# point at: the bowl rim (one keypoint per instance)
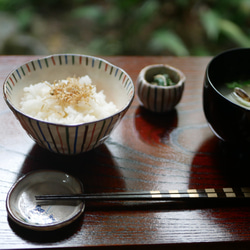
(212, 85)
(44, 227)
(13, 107)
(162, 65)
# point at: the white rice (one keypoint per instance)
(38, 102)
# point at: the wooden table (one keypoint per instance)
(146, 152)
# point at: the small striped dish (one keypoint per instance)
(70, 139)
(159, 99)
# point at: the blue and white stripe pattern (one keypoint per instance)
(68, 139)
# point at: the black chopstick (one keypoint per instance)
(209, 193)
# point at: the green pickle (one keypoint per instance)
(162, 80)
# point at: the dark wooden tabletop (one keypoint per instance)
(147, 151)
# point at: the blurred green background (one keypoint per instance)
(123, 27)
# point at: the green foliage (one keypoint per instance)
(133, 27)
(88, 12)
(210, 21)
(234, 33)
(214, 24)
(168, 40)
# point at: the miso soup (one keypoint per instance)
(237, 92)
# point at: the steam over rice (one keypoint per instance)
(69, 101)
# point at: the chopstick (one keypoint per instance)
(208, 193)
